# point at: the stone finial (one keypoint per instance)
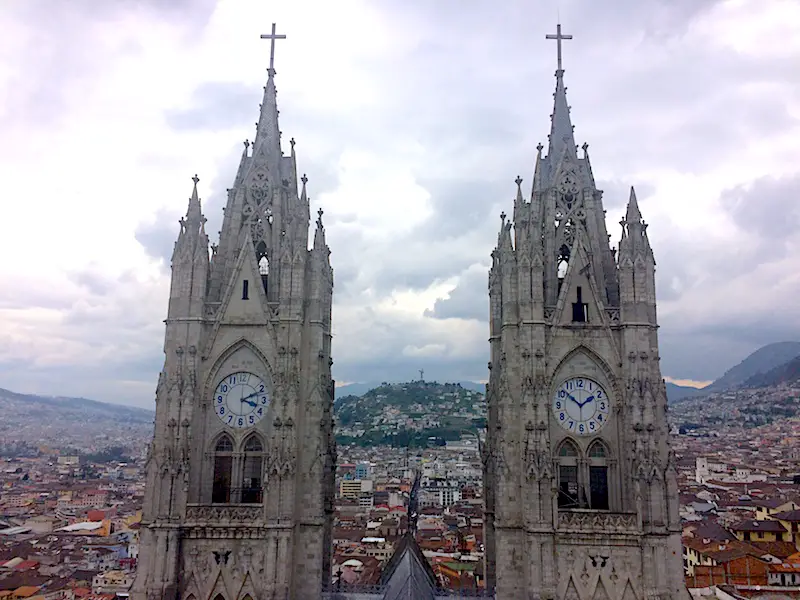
(518, 181)
(292, 142)
(304, 179)
(247, 143)
(195, 179)
(539, 147)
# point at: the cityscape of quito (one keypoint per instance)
(572, 472)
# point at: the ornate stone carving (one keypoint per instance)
(600, 522)
(222, 515)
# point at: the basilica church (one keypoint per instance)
(580, 494)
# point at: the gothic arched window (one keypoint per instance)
(598, 476)
(223, 470)
(568, 491)
(252, 471)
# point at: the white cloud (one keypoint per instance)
(412, 120)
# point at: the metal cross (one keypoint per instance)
(272, 37)
(550, 36)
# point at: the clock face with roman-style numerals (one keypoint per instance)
(581, 406)
(241, 400)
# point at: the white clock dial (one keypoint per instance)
(581, 406)
(241, 400)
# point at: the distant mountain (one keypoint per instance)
(788, 372)
(677, 392)
(72, 424)
(762, 360)
(359, 389)
(65, 407)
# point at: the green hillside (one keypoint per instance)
(415, 414)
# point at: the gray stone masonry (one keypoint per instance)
(581, 494)
(237, 510)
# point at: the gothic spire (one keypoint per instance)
(268, 136)
(319, 233)
(194, 214)
(633, 214)
(561, 132)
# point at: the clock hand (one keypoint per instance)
(250, 396)
(589, 399)
(250, 402)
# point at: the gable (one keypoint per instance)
(245, 301)
(578, 301)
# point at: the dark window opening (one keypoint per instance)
(567, 487)
(223, 467)
(245, 289)
(580, 309)
(598, 487)
(221, 493)
(252, 469)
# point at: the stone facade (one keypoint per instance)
(240, 470)
(580, 482)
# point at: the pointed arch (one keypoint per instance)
(230, 350)
(598, 449)
(567, 455)
(219, 597)
(608, 373)
(253, 443)
(223, 443)
(252, 491)
(568, 449)
(223, 469)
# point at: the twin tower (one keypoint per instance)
(580, 493)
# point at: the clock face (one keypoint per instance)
(241, 400)
(581, 406)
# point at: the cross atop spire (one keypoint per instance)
(276, 36)
(558, 36)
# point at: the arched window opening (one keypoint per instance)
(568, 492)
(598, 476)
(263, 263)
(252, 471)
(223, 467)
(219, 597)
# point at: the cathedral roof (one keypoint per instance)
(408, 575)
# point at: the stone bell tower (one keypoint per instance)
(240, 471)
(581, 493)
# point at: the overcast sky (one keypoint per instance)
(412, 120)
